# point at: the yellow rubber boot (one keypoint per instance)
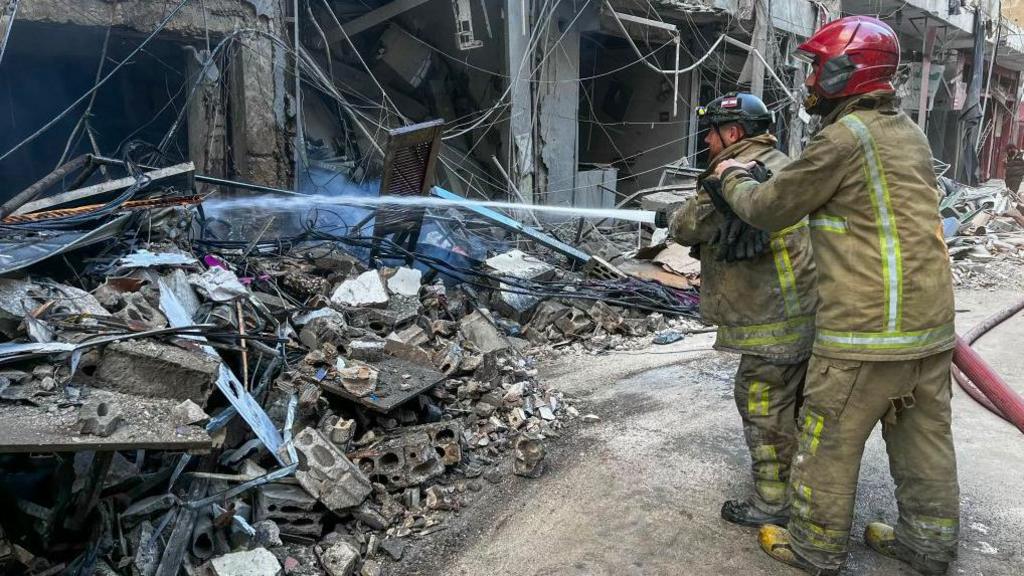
(882, 539)
(775, 541)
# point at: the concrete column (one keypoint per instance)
(926, 70)
(259, 129)
(206, 118)
(558, 102)
(520, 63)
(796, 123)
(762, 27)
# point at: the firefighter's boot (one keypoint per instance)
(746, 513)
(775, 541)
(882, 539)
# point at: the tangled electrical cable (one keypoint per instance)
(628, 293)
(128, 155)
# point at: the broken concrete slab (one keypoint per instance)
(137, 311)
(393, 547)
(379, 321)
(479, 330)
(327, 474)
(412, 457)
(328, 328)
(99, 418)
(414, 335)
(547, 313)
(371, 516)
(666, 199)
(363, 290)
(508, 299)
(408, 352)
(605, 317)
(449, 358)
(404, 309)
(291, 508)
(339, 559)
(342, 432)
(575, 323)
(130, 365)
(371, 568)
(367, 349)
(439, 498)
(405, 282)
(304, 318)
(258, 562)
(188, 413)
(518, 264)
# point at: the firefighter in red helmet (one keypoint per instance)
(884, 325)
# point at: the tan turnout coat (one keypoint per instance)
(867, 185)
(764, 306)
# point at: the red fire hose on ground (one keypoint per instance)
(979, 380)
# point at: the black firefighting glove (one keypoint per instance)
(661, 218)
(742, 241)
(736, 239)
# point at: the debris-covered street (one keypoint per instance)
(474, 287)
(638, 491)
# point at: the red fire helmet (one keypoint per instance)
(852, 55)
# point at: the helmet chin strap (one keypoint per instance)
(811, 100)
(719, 134)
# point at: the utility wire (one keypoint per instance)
(99, 84)
(12, 10)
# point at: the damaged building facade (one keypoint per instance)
(577, 103)
(223, 352)
(209, 87)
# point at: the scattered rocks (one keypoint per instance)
(393, 547)
(326, 474)
(339, 559)
(258, 562)
(99, 418)
(363, 290)
(188, 413)
(529, 457)
(405, 282)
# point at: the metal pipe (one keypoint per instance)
(300, 136)
(643, 58)
(29, 194)
(675, 82)
(209, 179)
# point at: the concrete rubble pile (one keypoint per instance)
(984, 230)
(237, 411)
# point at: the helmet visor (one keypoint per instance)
(804, 56)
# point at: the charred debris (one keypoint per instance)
(216, 383)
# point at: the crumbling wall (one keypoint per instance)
(215, 16)
(243, 134)
(627, 120)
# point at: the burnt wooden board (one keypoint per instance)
(389, 393)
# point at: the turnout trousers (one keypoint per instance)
(767, 397)
(843, 401)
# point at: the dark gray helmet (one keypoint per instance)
(741, 107)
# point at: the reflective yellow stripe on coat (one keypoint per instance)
(885, 221)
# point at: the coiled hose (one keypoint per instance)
(979, 380)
